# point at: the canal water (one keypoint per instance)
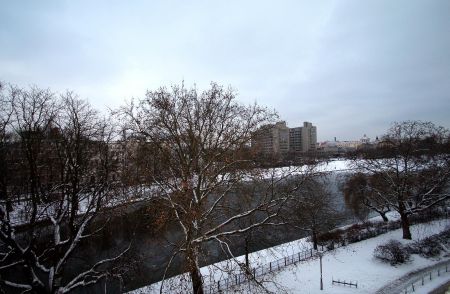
(152, 248)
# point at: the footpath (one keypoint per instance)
(404, 284)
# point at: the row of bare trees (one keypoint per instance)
(56, 176)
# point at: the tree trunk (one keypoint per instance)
(314, 239)
(194, 271)
(197, 283)
(405, 225)
(247, 263)
(384, 217)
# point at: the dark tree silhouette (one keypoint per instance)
(60, 180)
(409, 172)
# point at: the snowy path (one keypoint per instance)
(398, 285)
(441, 288)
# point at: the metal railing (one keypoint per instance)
(345, 283)
(426, 278)
(245, 275)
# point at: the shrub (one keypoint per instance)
(335, 236)
(353, 234)
(359, 227)
(392, 252)
(445, 235)
(428, 247)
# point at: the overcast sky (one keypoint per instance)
(350, 67)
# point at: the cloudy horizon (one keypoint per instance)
(349, 67)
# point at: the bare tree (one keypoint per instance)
(362, 194)
(34, 111)
(313, 209)
(201, 138)
(57, 193)
(5, 139)
(410, 171)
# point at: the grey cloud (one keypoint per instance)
(349, 67)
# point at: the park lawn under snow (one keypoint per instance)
(353, 262)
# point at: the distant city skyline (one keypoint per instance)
(349, 67)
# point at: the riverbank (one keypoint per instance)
(353, 262)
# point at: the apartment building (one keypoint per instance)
(309, 137)
(272, 139)
(278, 139)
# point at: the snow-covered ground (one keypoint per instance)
(423, 280)
(431, 285)
(337, 165)
(20, 213)
(354, 263)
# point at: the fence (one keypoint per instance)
(426, 278)
(339, 282)
(245, 276)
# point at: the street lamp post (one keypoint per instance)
(321, 281)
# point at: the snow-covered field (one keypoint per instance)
(338, 165)
(354, 263)
(335, 165)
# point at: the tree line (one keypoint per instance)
(56, 176)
